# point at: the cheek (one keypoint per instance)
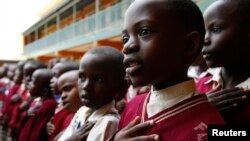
(73, 95)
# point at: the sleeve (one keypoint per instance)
(41, 118)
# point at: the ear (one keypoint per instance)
(193, 45)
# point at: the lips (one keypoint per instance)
(84, 96)
(65, 103)
(132, 65)
(206, 54)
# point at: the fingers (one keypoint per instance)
(219, 93)
(83, 137)
(227, 94)
(228, 108)
(134, 122)
(147, 138)
(225, 104)
(87, 127)
(133, 131)
(140, 128)
(50, 129)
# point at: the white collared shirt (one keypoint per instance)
(165, 98)
(106, 117)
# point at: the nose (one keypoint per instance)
(63, 96)
(207, 40)
(131, 46)
(85, 85)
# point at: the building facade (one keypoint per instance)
(74, 26)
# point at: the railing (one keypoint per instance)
(89, 27)
(102, 21)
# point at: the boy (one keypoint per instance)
(58, 69)
(158, 52)
(101, 77)
(35, 127)
(55, 125)
(227, 46)
(67, 85)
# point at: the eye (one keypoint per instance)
(99, 80)
(216, 29)
(66, 88)
(125, 39)
(81, 76)
(144, 31)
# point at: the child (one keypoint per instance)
(29, 67)
(16, 99)
(101, 77)
(12, 89)
(67, 85)
(55, 125)
(227, 46)
(58, 70)
(158, 52)
(35, 127)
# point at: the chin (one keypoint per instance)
(137, 82)
(212, 65)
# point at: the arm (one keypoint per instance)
(41, 117)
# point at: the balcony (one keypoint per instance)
(106, 23)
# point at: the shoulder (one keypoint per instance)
(50, 102)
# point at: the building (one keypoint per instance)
(74, 26)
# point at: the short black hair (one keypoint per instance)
(68, 65)
(241, 13)
(47, 76)
(36, 63)
(189, 16)
(114, 55)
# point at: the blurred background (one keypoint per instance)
(45, 29)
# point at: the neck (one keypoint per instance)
(170, 82)
(232, 77)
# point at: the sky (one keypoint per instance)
(15, 17)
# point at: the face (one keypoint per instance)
(97, 81)
(153, 45)
(18, 76)
(57, 70)
(36, 86)
(67, 85)
(11, 72)
(225, 41)
(27, 72)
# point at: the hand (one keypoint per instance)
(120, 105)
(32, 111)
(25, 104)
(82, 133)
(15, 98)
(133, 131)
(228, 100)
(50, 128)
